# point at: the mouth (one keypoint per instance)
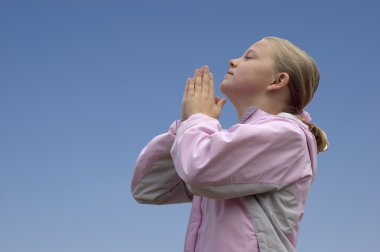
(229, 72)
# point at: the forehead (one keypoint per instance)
(261, 47)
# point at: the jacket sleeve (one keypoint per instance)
(246, 159)
(155, 180)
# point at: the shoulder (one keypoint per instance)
(268, 127)
(277, 127)
(279, 122)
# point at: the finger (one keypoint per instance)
(205, 81)
(185, 92)
(198, 82)
(190, 90)
(211, 86)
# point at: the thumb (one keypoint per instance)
(221, 103)
(217, 98)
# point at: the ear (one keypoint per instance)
(280, 81)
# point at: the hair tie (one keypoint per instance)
(305, 115)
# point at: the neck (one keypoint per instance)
(268, 106)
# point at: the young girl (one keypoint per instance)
(248, 184)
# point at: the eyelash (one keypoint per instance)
(248, 57)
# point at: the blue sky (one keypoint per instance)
(84, 85)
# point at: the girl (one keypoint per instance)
(248, 184)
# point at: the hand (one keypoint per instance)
(199, 96)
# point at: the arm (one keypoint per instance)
(155, 180)
(246, 159)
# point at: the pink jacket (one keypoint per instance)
(248, 184)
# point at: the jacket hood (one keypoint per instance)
(310, 138)
(254, 112)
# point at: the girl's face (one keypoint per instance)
(251, 73)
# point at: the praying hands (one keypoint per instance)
(199, 95)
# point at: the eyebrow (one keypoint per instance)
(251, 50)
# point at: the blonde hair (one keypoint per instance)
(303, 81)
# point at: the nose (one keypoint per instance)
(232, 63)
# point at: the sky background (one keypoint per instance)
(84, 85)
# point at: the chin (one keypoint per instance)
(226, 82)
(223, 87)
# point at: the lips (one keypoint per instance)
(229, 72)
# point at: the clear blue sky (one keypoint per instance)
(84, 85)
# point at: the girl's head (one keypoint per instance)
(277, 76)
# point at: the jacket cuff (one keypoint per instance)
(173, 128)
(197, 118)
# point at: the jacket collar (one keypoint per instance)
(252, 112)
(291, 116)
(247, 113)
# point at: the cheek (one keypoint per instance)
(244, 73)
(247, 78)
(253, 74)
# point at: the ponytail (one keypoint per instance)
(303, 81)
(319, 134)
